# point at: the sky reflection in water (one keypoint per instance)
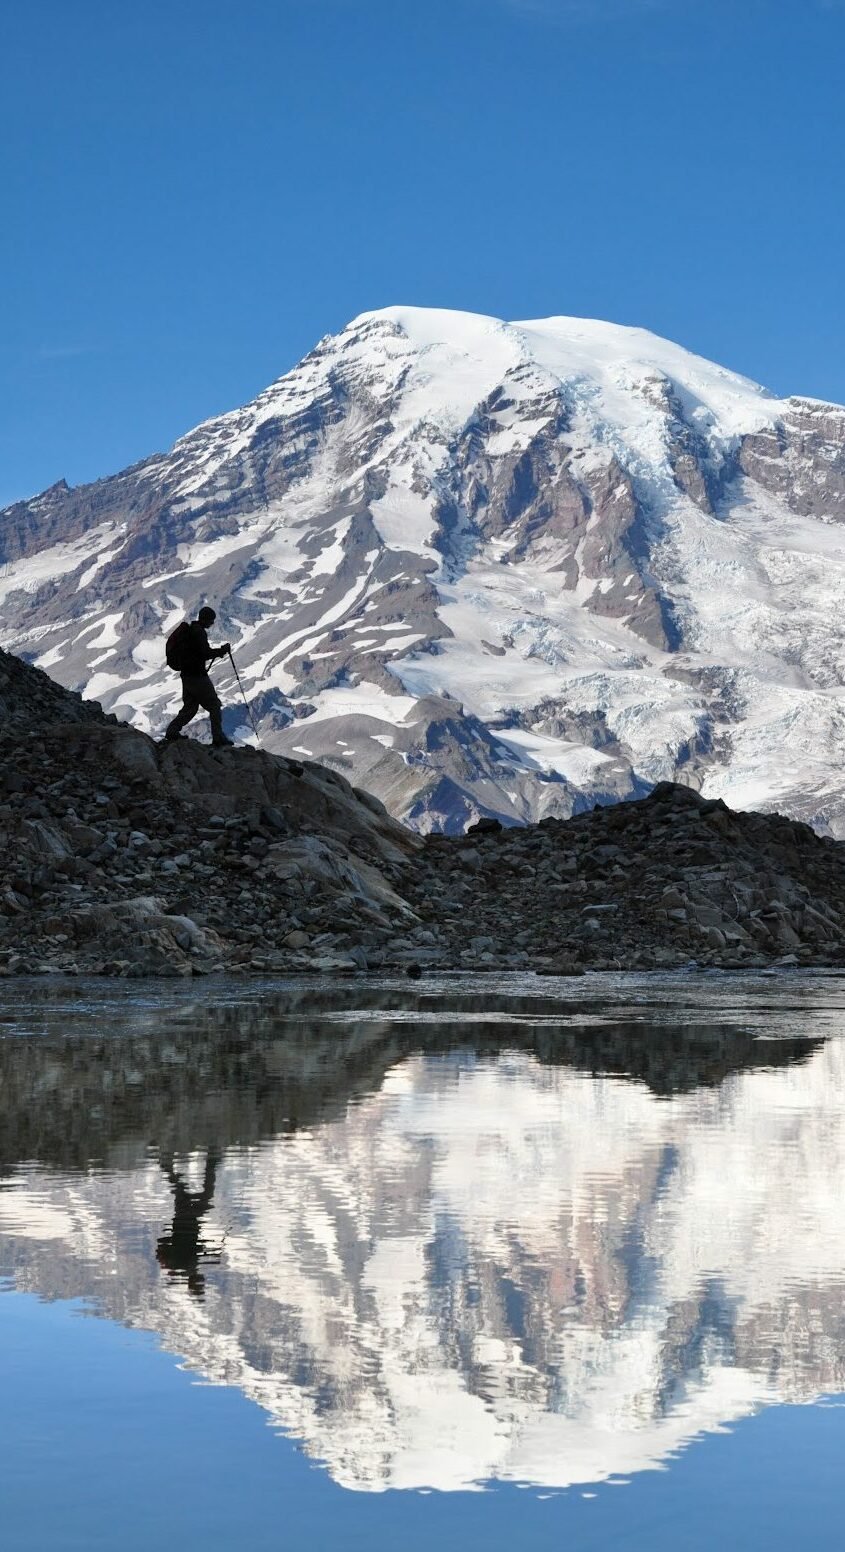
(531, 1235)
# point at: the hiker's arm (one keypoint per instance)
(221, 651)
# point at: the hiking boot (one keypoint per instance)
(223, 743)
(171, 738)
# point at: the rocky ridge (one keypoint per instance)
(666, 881)
(120, 856)
(30, 699)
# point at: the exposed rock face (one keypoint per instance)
(595, 559)
(801, 459)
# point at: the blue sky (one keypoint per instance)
(194, 191)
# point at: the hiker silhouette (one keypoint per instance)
(181, 1251)
(188, 651)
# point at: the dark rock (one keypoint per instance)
(118, 856)
(485, 826)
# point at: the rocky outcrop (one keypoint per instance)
(801, 459)
(30, 699)
(669, 880)
(126, 857)
(121, 856)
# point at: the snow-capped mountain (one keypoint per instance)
(482, 567)
(486, 1268)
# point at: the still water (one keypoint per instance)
(540, 1264)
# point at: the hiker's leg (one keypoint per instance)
(190, 707)
(210, 700)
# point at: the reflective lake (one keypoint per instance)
(535, 1263)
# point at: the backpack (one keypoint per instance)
(175, 646)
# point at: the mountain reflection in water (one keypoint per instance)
(459, 1238)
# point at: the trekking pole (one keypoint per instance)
(245, 701)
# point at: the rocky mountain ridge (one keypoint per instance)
(122, 856)
(480, 568)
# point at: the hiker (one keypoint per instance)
(188, 651)
(181, 1251)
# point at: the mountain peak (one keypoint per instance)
(480, 566)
